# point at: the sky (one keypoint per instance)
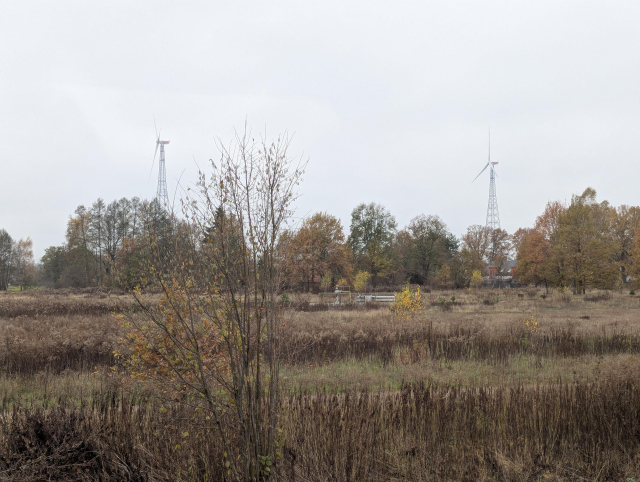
(390, 102)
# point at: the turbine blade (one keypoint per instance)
(154, 160)
(154, 125)
(485, 168)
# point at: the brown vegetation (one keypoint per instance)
(470, 393)
(62, 302)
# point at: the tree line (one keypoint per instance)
(425, 252)
(586, 244)
(106, 244)
(580, 245)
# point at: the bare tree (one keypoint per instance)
(24, 266)
(80, 260)
(97, 234)
(136, 205)
(7, 258)
(211, 342)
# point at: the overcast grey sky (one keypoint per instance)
(390, 101)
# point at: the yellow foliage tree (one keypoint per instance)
(326, 282)
(361, 281)
(443, 278)
(476, 279)
(408, 304)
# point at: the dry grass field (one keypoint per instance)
(504, 385)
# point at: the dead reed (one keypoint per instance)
(63, 418)
(63, 302)
(455, 342)
(56, 343)
(113, 438)
(423, 432)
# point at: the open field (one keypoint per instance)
(465, 391)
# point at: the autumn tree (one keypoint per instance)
(584, 244)
(533, 257)
(211, 340)
(538, 262)
(476, 279)
(371, 238)
(624, 221)
(402, 252)
(499, 248)
(408, 304)
(443, 279)
(426, 245)
(516, 239)
(474, 251)
(477, 240)
(361, 281)
(318, 249)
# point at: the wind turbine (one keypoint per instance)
(161, 194)
(493, 218)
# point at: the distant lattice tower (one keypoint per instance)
(493, 217)
(161, 195)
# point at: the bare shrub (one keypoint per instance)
(596, 297)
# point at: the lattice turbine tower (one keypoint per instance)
(493, 216)
(162, 195)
